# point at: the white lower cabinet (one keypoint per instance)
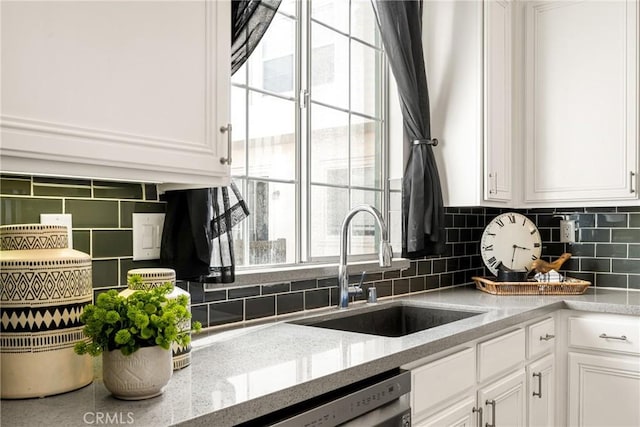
(461, 414)
(503, 401)
(485, 383)
(541, 380)
(603, 363)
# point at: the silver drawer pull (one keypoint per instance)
(610, 337)
(547, 337)
(493, 413)
(539, 393)
(479, 412)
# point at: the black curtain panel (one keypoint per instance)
(400, 24)
(249, 21)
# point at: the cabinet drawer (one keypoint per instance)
(442, 379)
(500, 354)
(618, 334)
(541, 337)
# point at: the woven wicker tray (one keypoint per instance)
(570, 286)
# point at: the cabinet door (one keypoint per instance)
(541, 395)
(503, 401)
(461, 414)
(603, 390)
(581, 101)
(497, 100)
(116, 90)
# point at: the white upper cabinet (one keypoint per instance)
(116, 90)
(581, 101)
(467, 48)
(497, 100)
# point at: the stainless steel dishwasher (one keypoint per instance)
(379, 401)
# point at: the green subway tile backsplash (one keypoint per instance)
(93, 213)
(608, 254)
(117, 190)
(111, 243)
(46, 186)
(82, 241)
(15, 210)
(15, 186)
(104, 273)
(63, 191)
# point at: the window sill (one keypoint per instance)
(304, 272)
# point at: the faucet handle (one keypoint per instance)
(372, 298)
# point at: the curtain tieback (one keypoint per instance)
(432, 141)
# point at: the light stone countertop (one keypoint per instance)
(239, 374)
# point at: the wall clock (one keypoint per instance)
(511, 239)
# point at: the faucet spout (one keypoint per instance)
(384, 251)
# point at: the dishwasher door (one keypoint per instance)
(380, 401)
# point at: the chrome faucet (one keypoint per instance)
(384, 251)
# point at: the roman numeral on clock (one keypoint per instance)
(488, 248)
(492, 261)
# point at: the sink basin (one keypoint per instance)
(390, 320)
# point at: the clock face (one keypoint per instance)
(511, 239)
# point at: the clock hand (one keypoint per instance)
(520, 247)
(513, 255)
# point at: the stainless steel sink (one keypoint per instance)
(389, 320)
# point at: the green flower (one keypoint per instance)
(122, 337)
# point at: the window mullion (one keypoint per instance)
(303, 136)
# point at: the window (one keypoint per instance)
(308, 113)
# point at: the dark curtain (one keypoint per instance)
(249, 21)
(196, 239)
(400, 24)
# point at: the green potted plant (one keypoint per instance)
(134, 334)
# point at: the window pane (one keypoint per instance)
(271, 137)
(365, 79)
(334, 13)
(271, 65)
(366, 159)
(270, 225)
(364, 233)
(329, 207)
(363, 22)
(288, 7)
(329, 67)
(240, 76)
(239, 133)
(329, 146)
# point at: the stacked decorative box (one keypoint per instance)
(44, 286)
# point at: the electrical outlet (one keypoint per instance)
(147, 235)
(567, 231)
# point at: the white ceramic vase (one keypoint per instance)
(140, 375)
(44, 287)
(153, 278)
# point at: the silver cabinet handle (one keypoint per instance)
(493, 189)
(479, 411)
(493, 413)
(611, 337)
(539, 393)
(631, 176)
(547, 337)
(227, 129)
